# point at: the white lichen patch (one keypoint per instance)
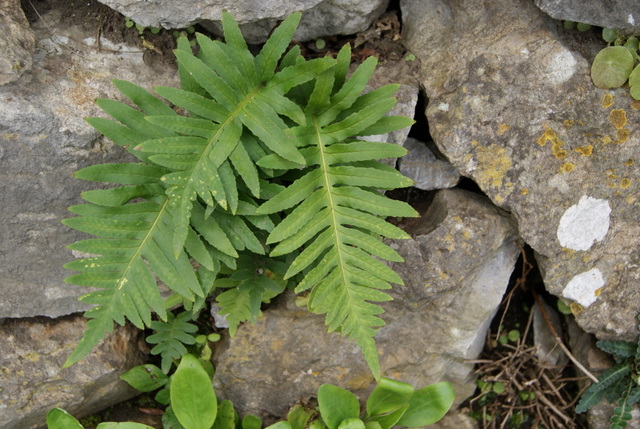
(584, 223)
(561, 68)
(583, 287)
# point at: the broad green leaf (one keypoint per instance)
(336, 405)
(122, 425)
(58, 418)
(428, 405)
(251, 422)
(611, 67)
(226, 417)
(354, 423)
(280, 425)
(192, 397)
(298, 417)
(634, 82)
(145, 378)
(389, 395)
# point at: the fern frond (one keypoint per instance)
(341, 240)
(597, 391)
(132, 244)
(246, 290)
(619, 349)
(171, 337)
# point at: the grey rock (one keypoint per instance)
(429, 173)
(32, 352)
(620, 14)
(17, 42)
(457, 267)
(43, 140)
(549, 354)
(512, 106)
(256, 18)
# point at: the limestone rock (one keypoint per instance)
(620, 14)
(256, 17)
(512, 106)
(17, 42)
(32, 352)
(44, 139)
(429, 173)
(458, 266)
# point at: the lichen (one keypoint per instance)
(556, 144)
(629, 162)
(625, 183)
(622, 136)
(607, 101)
(503, 128)
(618, 118)
(568, 123)
(584, 150)
(493, 164)
(567, 167)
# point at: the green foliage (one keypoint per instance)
(265, 170)
(194, 404)
(612, 67)
(619, 384)
(392, 403)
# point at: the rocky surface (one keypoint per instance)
(32, 352)
(620, 14)
(425, 169)
(17, 42)
(43, 140)
(256, 17)
(512, 106)
(466, 251)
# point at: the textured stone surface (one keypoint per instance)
(621, 14)
(17, 42)
(256, 17)
(421, 165)
(32, 352)
(43, 140)
(512, 106)
(457, 268)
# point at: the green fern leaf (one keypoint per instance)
(341, 242)
(171, 337)
(597, 391)
(619, 349)
(132, 244)
(248, 288)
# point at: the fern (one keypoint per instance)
(171, 337)
(266, 136)
(337, 231)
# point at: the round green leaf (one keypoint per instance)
(337, 404)
(60, 419)
(609, 34)
(428, 405)
(354, 423)
(634, 82)
(581, 26)
(192, 397)
(498, 387)
(123, 425)
(611, 67)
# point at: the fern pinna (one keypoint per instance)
(265, 162)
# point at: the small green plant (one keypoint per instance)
(263, 186)
(616, 64)
(620, 384)
(193, 404)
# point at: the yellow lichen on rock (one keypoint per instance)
(625, 183)
(503, 128)
(607, 101)
(584, 150)
(622, 136)
(556, 144)
(493, 164)
(618, 118)
(567, 167)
